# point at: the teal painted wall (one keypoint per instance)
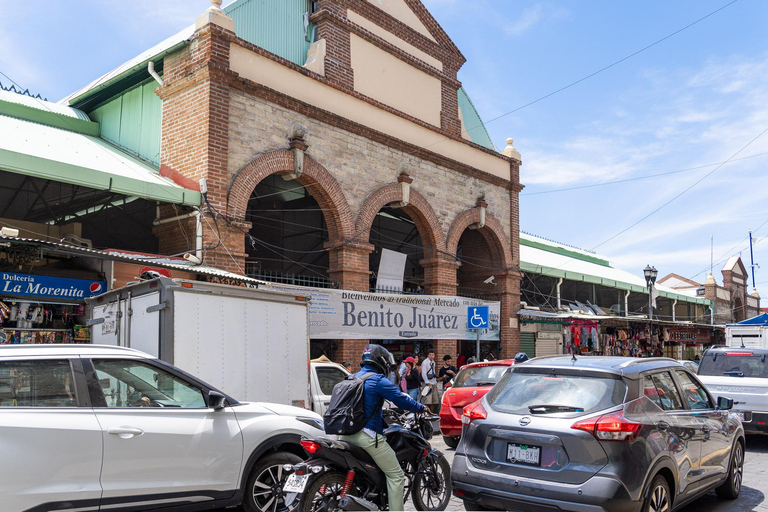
(275, 25)
(472, 121)
(132, 121)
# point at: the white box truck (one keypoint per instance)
(250, 343)
(747, 336)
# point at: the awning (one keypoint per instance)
(67, 156)
(760, 320)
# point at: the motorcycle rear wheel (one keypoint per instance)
(432, 485)
(332, 483)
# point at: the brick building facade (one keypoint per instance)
(733, 301)
(370, 121)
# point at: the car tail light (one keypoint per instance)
(309, 446)
(473, 412)
(738, 353)
(609, 427)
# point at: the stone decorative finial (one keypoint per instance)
(216, 4)
(215, 15)
(710, 279)
(297, 131)
(510, 150)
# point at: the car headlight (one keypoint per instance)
(312, 422)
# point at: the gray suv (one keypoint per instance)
(602, 434)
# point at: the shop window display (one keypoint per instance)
(23, 322)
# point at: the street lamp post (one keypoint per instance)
(650, 279)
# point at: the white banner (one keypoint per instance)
(343, 314)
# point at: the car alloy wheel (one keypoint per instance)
(264, 491)
(659, 501)
(738, 467)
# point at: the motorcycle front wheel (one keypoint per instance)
(432, 484)
(323, 493)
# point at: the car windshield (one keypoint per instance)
(548, 393)
(734, 364)
(479, 376)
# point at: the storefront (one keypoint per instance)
(44, 309)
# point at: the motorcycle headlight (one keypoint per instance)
(312, 422)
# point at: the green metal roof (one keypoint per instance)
(50, 152)
(472, 122)
(276, 26)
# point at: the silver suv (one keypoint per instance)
(88, 427)
(603, 434)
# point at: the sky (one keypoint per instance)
(660, 120)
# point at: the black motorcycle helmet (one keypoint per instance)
(379, 358)
(521, 357)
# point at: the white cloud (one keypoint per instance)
(532, 16)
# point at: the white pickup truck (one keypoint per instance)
(740, 374)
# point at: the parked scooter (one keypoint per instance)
(342, 476)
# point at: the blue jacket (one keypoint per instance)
(378, 387)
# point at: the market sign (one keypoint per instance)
(688, 335)
(344, 314)
(28, 285)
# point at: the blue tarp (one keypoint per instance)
(758, 320)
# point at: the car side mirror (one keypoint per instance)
(724, 403)
(216, 400)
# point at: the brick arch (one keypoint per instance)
(492, 232)
(418, 209)
(315, 178)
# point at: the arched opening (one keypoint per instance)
(286, 242)
(394, 230)
(738, 310)
(476, 277)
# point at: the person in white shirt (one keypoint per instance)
(429, 375)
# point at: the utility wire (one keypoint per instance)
(649, 176)
(683, 192)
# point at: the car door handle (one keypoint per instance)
(662, 425)
(125, 432)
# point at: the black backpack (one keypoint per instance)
(346, 412)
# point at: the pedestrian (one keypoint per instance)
(461, 360)
(447, 371)
(412, 378)
(401, 371)
(347, 365)
(429, 373)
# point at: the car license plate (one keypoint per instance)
(523, 454)
(295, 483)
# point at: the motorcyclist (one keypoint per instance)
(377, 359)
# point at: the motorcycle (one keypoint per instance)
(342, 476)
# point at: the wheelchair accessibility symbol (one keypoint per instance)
(477, 317)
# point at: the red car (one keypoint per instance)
(470, 385)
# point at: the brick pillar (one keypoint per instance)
(195, 138)
(510, 290)
(440, 275)
(509, 282)
(348, 265)
(329, 17)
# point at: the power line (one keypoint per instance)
(683, 192)
(605, 68)
(615, 182)
(727, 254)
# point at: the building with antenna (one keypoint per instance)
(732, 299)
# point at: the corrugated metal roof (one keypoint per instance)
(472, 121)
(539, 261)
(129, 257)
(47, 152)
(45, 106)
(275, 25)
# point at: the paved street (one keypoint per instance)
(752, 496)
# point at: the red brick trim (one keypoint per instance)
(252, 87)
(335, 120)
(316, 179)
(418, 209)
(178, 178)
(493, 232)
